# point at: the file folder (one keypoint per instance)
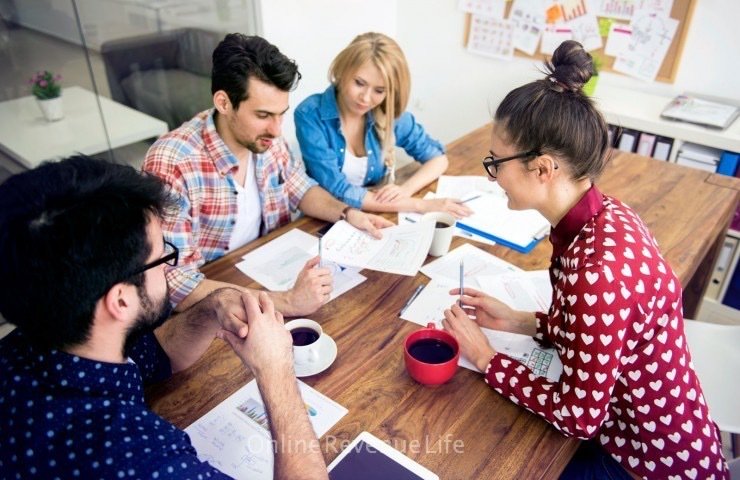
(728, 163)
(646, 144)
(662, 148)
(628, 140)
(502, 241)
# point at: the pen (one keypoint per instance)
(462, 275)
(411, 299)
(471, 198)
(320, 265)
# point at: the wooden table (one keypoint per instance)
(687, 210)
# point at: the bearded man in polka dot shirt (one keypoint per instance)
(82, 277)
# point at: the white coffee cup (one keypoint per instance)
(442, 235)
(306, 341)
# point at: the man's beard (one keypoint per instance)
(151, 317)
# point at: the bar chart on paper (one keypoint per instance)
(573, 9)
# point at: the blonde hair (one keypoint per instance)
(385, 54)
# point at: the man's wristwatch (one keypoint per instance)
(345, 211)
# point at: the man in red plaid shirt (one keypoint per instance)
(235, 178)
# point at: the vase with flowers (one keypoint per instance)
(46, 88)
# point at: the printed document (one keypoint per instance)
(402, 249)
(528, 291)
(276, 264)
(235, 436)
(434, 299)
(544, 362)
(476, 263)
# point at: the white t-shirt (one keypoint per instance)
(354, 168)
(248, 210)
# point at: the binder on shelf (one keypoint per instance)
(699, 156)
(628, 140)
(728, 163)
(646, 144)
(662, 150)
(613, 132)
(721, 268)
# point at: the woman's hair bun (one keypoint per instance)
(570, 67)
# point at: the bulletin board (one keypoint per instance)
(681, 10)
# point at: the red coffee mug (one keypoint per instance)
(431, 355)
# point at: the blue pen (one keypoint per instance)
(411, 299)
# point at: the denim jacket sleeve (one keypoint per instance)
(410, 136)
(320, 149)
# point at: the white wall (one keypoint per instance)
(454, 92)
(314, 32)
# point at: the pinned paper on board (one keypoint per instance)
(529, 22)
(618, 41)
(586, 31)
(625, 9)
(486, 8)
(652, 34)
(553, 36)
(491, 37)
(573, 9)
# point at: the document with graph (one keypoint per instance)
(402, 249)
(235, 436)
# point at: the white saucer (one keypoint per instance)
(327, 355)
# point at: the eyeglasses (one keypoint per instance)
(491, 163)
(170, 257)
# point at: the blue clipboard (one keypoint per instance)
(501, 241)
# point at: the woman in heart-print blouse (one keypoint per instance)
(628, 384)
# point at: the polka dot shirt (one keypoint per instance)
(616, 321)
(63, 416)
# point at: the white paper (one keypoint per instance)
(586, 31)
(487, 8)
(430, 304)
(529, 21)
(276, 264)
(464, 187)
(493, 216)
(491, 37)
(553, 36)
(543, 362)
(402, 249)
(476, 261)
(651, 36)
(623, 9)
(618, 41)
(235, 437)
(528, 291)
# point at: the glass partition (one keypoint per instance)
(129, 71)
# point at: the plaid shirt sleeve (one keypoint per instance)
(297, 181)
(179, 226)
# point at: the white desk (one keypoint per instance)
(641, 111)
(29, 139)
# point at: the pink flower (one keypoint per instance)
(43, 83)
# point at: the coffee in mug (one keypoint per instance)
(304, 336)
(444, 226)
(431, 355)
(441, 225)
(431, 350)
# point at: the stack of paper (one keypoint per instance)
(402, 249)
(276, 264)
(493, 219)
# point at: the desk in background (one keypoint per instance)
(499, 439)
(29, 139)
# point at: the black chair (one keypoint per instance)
(166, 75)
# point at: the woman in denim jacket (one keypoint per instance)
(347, 133)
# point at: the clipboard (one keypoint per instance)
(502, 241)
